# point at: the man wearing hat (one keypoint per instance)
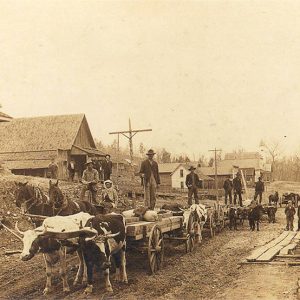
(192, 182)
(259, 189)
(228, 188)
(106, 167)
(90, 178)
(150, 179)
(237, 189)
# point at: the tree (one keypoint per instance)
(99, 144)
(211, 162)
(142, 149)
(165, 156)
(274, 148)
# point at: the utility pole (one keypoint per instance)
(131, 133)
(216, 173)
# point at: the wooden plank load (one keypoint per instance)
(141, 229)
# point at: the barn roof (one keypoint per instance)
(40, 133)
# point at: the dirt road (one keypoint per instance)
(212, 271)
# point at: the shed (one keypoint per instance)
(29, 144)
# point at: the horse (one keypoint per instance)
(32, 200)
(254, 216)
(63, 206)
(273, 199)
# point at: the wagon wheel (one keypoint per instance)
(212, 225)
(155, 249)
(191, 233)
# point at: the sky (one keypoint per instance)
(201, 74)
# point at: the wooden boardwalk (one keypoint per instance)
(280, 246)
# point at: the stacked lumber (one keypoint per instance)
(271, 249)
(139, 230)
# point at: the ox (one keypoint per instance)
(271, 211)
(233, 215)
(110, 242)
(196, 213)
(273, 199)
(254, 215)
(54, 251)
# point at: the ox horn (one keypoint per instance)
(111, 235)
(90, 238)
(18, 230)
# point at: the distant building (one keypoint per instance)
(251, 163)
(172, 177)
(29, 144)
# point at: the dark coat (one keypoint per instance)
(189, 180)
(147, 169)
(237, 184)
(227, 185)
(259, 186)
(107, 168)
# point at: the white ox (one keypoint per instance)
(197, 214)
(42, 239)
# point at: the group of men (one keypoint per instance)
(236, 186)
(103, 167)
(150, 180)
(90, 179)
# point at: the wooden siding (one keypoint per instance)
(177, 180)
(84, 138)
(165, 182)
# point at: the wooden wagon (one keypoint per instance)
(150, 237)
(216, 218)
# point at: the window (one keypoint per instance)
(182, 184)
(181, 173)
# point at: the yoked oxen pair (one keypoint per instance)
(193, 220)
(237, 213)
(94, 246)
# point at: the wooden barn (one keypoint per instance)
(29, 144)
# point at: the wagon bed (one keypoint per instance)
(149, 237)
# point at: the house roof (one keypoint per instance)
(40, 133)
(4, 117)
(210, 171)
(242, 155)
(202, 176)
(254, 163)
(168, 167)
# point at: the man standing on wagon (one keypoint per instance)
(150, 179)
(237, 188)
(259, 189)
(192, 182)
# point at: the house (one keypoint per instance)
(29, 144)
(172, 177)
